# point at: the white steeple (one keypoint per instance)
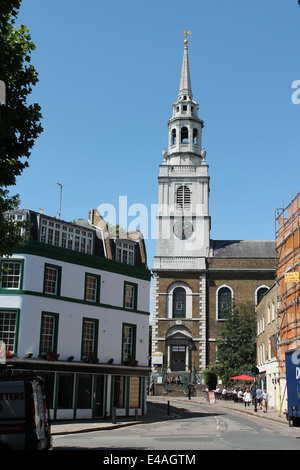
(185, 127)
(183, 220)
(185, 87)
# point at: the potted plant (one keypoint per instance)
(131, 361)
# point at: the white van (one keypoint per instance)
(24, 422)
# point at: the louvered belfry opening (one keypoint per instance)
(183, 197)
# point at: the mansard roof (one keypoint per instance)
(243, 249)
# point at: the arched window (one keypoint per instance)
(173, 136)
(195, 136)
(184, 135)
(260, 293)
(179, 303)
(183, 197)
(224, 302)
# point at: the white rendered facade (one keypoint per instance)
(93, 311)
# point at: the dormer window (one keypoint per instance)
(125, 252)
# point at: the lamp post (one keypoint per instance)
(255, 372)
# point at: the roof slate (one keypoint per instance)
(243, 249)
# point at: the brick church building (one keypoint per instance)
(195, 277)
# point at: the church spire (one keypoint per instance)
(185, 87)
(185, 127)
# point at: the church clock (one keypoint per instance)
(183, 229)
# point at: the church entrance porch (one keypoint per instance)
(178, 344)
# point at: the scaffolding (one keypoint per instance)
(287, 227)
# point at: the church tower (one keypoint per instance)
(183, 238)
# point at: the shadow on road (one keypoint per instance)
(172, 410)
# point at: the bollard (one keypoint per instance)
(136, 414)
(168, 412)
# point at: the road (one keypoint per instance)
(198, 427)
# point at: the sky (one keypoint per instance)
(109, 73)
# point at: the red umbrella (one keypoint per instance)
(242, 377)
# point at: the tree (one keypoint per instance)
(236, 344)
(19, 121)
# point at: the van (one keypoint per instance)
(24, 422)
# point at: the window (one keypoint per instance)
(49, 331)
(92, 288)
(183, 197)
(184, 135)
(11, 274)
(125, 252)
(224, 302)
(129, 335)
(52, 279)
(260, 293)
(119, 391)
(65, 391)
(195, 136)
(173, 136)
(9, 320)
(130, 296)
(84, 391)
(89, 344)
(66, 236)
(179, 303)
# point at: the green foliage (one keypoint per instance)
(210, 378)
(236, 344)
(19, 121)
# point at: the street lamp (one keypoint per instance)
(255, 372)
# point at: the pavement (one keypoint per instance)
(165, 411)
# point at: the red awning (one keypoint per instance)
(242, 377)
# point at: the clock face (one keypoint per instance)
(183, 229)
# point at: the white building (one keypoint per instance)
(268, 359)
(73, 313)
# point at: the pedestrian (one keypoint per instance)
(247, 398)
(258, 397)
(190, 391)
(224, 393)
(265, 398)
(253, 393)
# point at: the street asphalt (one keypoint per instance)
(165, 411)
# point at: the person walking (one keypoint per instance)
(258, 397)
(253, 393)
(265, 398)
(247, 398)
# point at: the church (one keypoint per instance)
(194, 277)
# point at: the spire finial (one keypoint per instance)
(186, 33)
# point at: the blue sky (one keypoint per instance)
(108, 75)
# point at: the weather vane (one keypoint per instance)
(186, 33)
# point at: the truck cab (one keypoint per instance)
(24, 422)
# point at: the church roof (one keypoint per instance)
(243, 249)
